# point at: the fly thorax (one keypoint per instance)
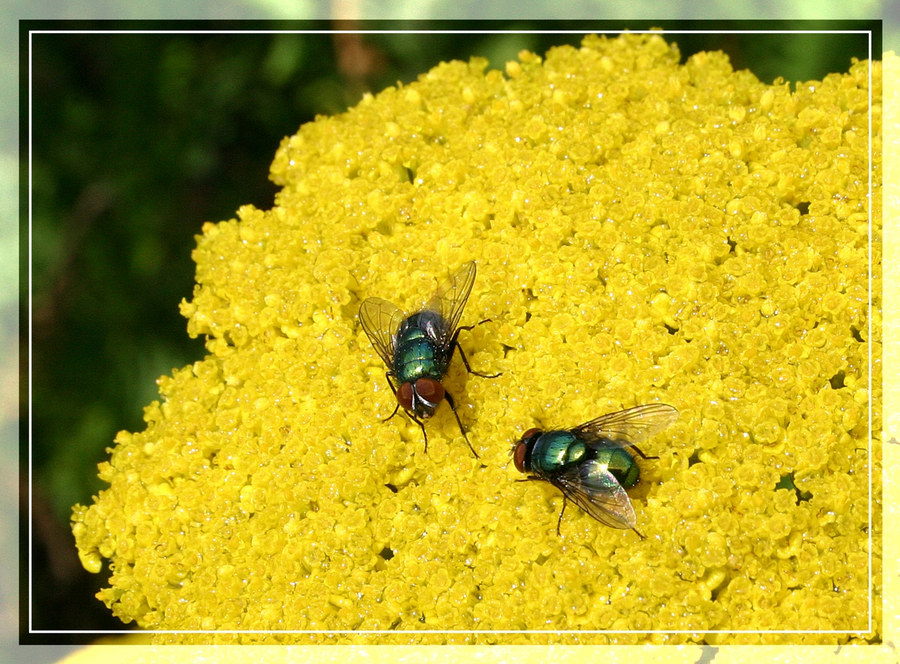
(556, 449)
(416, 354)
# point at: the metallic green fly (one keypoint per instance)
(592, 463)
(417, 348)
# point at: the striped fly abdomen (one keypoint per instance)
(621, 464)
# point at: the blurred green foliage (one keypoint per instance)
(137, 140)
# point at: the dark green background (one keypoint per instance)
(140, 138)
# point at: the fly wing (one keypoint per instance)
(627, 427)
(380, 319)
(594, 489)
(450, 299)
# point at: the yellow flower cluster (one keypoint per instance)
(645, 232)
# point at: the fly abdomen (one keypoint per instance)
(555, 450)
(621, 464)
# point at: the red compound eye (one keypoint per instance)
(519, 456)
(430, 390)
(405, 396)
(521, 448)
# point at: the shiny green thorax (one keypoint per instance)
(417, 351)
(554, 451)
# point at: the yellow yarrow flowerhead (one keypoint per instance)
(644, 232)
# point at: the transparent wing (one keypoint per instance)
(629, 426)
(380, 319)
(450, 298)
(594, 489)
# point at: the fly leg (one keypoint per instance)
(391, 416)
(561, 512)
(454, 345)
(415, 419)
(535, 478)
(387, 377)
(421, 426)
(458, 421)
(643, 456)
